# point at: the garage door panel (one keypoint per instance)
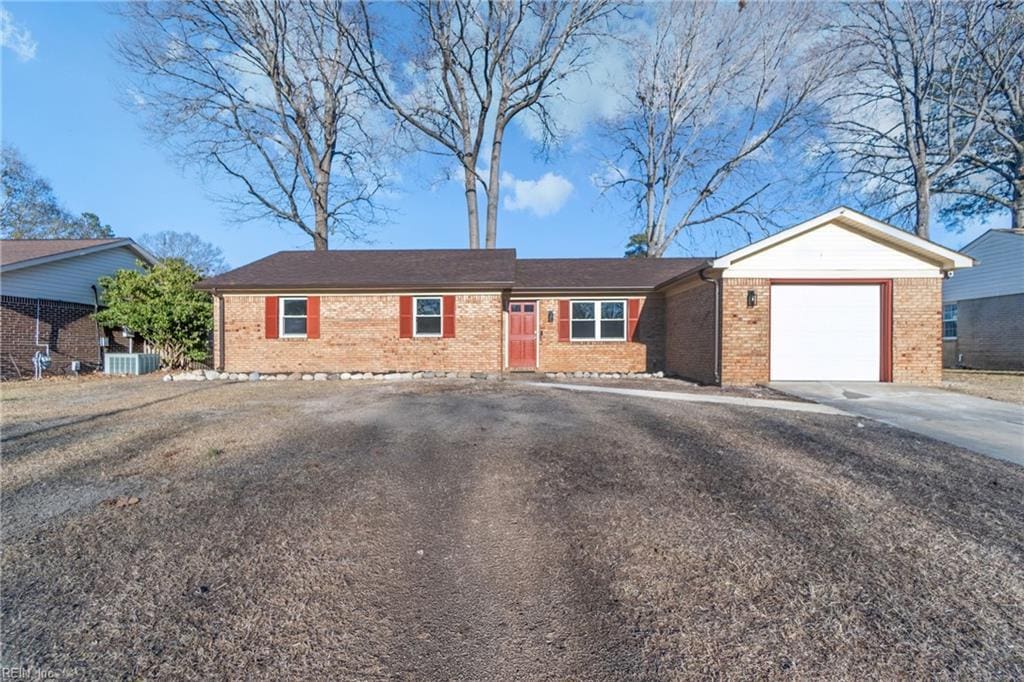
(825, 332)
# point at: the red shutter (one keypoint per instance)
(563, 320)
(405, 317)
(270, 317)
(313, 317)
(448, 321)
(634, 317)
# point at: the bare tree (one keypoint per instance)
(901, 123)
(475, 67)
(990, 175)
(206, 258)
(714, 87)
(265, 91)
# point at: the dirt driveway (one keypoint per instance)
(489, 530)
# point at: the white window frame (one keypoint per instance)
(597, 319)
(955, 307)
(280, 317)
(439, 316)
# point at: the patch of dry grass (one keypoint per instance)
(1008, 387)
(482, 530)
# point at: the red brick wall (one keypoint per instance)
(644, 354)
(690, 333)
(745, 332)
(360, 334)
(917, 331)
(67, 327)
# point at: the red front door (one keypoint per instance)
(522, 335)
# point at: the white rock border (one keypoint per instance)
(214, 375)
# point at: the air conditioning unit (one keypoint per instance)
(130, 363)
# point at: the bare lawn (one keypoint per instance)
(1006, 386)
(490, 530)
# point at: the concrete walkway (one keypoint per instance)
(790, 405)
(990, 427)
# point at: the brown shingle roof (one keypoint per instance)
(563, 274)
(414, 269)
(18, 250)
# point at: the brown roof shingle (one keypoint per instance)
(564, 274)
(18, 250)
(366, 269)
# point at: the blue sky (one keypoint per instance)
(61, 106)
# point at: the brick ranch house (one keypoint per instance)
(49, 291)
(839, 297)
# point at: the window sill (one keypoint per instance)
(598, 340)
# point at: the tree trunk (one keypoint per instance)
(320, 206)
(472, 209)
(493, 184)
(922, 211)
(1017, 208)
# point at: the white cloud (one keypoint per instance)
(543, 196)
(16, 37)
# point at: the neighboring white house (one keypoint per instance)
(983, 307)
(48, 292)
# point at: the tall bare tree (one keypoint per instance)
(902, 122)
(476, 65)
(714, 87)
(990, 175)
(265, 91)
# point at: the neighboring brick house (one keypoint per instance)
(983, 308)
(48, 294)
(839, 297)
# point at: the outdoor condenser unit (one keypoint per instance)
(130, 363)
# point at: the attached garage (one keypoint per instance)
(829, 331)
(841, 297)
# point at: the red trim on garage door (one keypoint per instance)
(885, 289)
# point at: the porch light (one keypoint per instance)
(751, 298)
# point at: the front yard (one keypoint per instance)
(489, 530)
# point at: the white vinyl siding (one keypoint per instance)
(998, 272)
(832, 251)
(68, 279)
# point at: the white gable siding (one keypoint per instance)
(999, 271)
(832, 251)
(69, 279)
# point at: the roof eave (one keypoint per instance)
(208, 285)
(125, 242)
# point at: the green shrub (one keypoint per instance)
(161, 303)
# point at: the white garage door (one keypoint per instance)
(825, 332)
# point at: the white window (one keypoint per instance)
(598, 320)
(293, 317)
(427, 312)
(949, 313)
